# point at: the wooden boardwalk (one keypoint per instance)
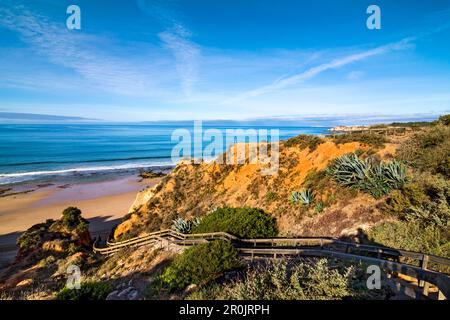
(398, 262)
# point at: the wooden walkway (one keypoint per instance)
(417, 265)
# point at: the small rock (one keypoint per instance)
(113, 295)
(129, 293)
(132, 295)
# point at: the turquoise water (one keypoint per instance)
(45, 152)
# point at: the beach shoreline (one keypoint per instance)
(103, 203)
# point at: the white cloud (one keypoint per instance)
(314, 71)
(83, 54)
(186, 54)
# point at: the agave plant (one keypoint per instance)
(349, 170)
(182, 226)
(395, 174)
(185, 226)
(368, 175)
(305, 197)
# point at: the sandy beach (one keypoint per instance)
(102, 203)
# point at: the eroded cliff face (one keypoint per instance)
(192, 190)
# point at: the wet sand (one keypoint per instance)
(102, 203)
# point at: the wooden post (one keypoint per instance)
(379, 253)
(424, 265)
(252, 256)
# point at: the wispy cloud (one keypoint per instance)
(314, 71)
(81, 53)
(176, 37)
(186, 54)
(354, 75)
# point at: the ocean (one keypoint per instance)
(43, 153)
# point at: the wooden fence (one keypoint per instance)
(386, 258)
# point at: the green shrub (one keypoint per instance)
(200, 263)
(241, 222)
(372, 139)
(412, 236)
(270, 196)
(89, 290)
(32, 238)
(425, 199)
(68, 229)
(304, 141)
(373, 177)
(445, 119)
(428, 150)
(71, 218)
(281, 281)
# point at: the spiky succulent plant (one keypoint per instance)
(304, 197)
(182, 226)
(373, 177)
(185, 226)
(395, 174)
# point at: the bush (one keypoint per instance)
(371, 139)
(72, 229)
(88, 291)
(445, 120)
(241, 222)
(200, 263)
(304, 141)
(375, 178)
(281, 281)
(425, 199)
(428, 150)
(32, 238)
(72, 219)
(412, 236)
(270, 196)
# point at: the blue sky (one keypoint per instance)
(234, 59)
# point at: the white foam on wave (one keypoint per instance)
(23, 176)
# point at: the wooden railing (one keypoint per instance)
(386, 258)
